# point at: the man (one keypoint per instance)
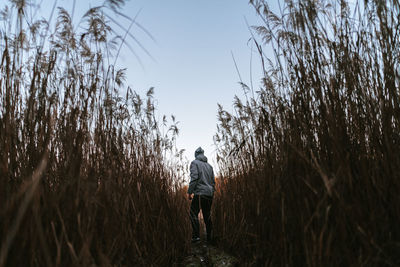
(200, 192)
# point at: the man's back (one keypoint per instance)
(202, 185)
(202, 180)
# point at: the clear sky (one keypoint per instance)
(191, 65)
(193, 68)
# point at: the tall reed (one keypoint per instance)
(310, 162)
(84, 177)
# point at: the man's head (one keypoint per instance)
(198, 151)
(199, 155)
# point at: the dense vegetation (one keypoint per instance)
(83, 172)
(310, 161)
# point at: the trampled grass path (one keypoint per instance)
(203, 254)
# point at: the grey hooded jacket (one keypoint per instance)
(202, 180)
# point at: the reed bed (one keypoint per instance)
(310, 162)
(84, 175)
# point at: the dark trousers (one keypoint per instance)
(204, 203)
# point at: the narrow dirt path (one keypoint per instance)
(203, 254)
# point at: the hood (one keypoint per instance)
(199, 154)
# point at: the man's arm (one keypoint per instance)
(194, 177)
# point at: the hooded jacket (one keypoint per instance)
(202, 180)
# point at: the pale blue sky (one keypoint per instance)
(193, 69)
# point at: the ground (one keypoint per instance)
(203, 254)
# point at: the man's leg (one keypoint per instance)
(206, 203)
(194, 218)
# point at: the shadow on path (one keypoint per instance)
(203, 254)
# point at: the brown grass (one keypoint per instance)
(83, 172)
(310, 162)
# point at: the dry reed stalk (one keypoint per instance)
(327, 108)
(107, 193)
